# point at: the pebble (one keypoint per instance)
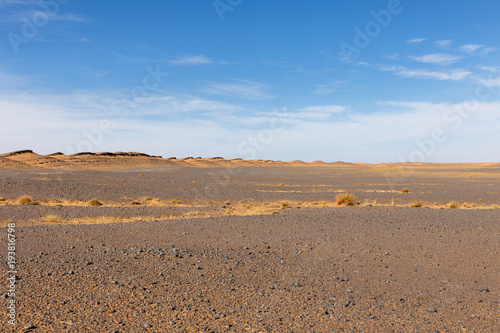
(29, 327)
(431, 309)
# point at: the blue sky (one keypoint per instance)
(364, 81)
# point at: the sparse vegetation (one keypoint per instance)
(284, 204)
(345, 199)
(281, 184)
(495, 206)
(142, 175)
(51, 219)
(175, 201)
(405, 190)
(135, 202)
(95, 203)
(453, 204)
(416, 203)
(26, 200)
(275, 212)
(369, 203)
(2, 199)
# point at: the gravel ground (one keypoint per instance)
(340, 269)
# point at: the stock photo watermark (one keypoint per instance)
(38, 20)
(372, 29)
(11, 274)
(248, 150)
(223, 6)
(123, 106)
(454, 117)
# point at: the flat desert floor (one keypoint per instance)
(144, 244)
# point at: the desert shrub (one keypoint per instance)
(281, 184)
(175, 201)
(135, 202)
(405, 190)
(275, 212)
(142, 175)
(284, 204)
(26, 200)
(94, 202)
(2, 199)
(495, 206)
(345, 199)
(453, 204)
(416, 203)
(51, 219)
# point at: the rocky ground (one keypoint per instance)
(380, 268)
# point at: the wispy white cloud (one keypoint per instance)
(21, 15)
(378, 136)
(437, 58)
(191, 60)
(329, 87)
(416, 40)
(325, 108)
(240, 89)
(470, 48)
(391, 56)
(317, 112)
(453, 75)
(444, 43)
(487, 50)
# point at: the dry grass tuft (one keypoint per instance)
(142, 175)
(405, 190)
(369, 203)
(95, 203)
(2, 199)
(51, 219)
(284, 204)
(495, 206)
(416, 203)
(135, 202)
(281, 184)
(453, 204)
(26, 200)
(175, 201)
(345, 199)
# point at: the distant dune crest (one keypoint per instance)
(22, 159)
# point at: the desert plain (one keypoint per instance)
(127, 242)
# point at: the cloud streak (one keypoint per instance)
(239, 88)
(453, 75)
(437, 59)
(191, 60)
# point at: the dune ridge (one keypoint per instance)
(23, 159)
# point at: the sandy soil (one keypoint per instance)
(212, 245)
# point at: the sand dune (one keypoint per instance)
(124, 160)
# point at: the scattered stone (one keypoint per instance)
(484, 290)
(431, 309)
(29, 327)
